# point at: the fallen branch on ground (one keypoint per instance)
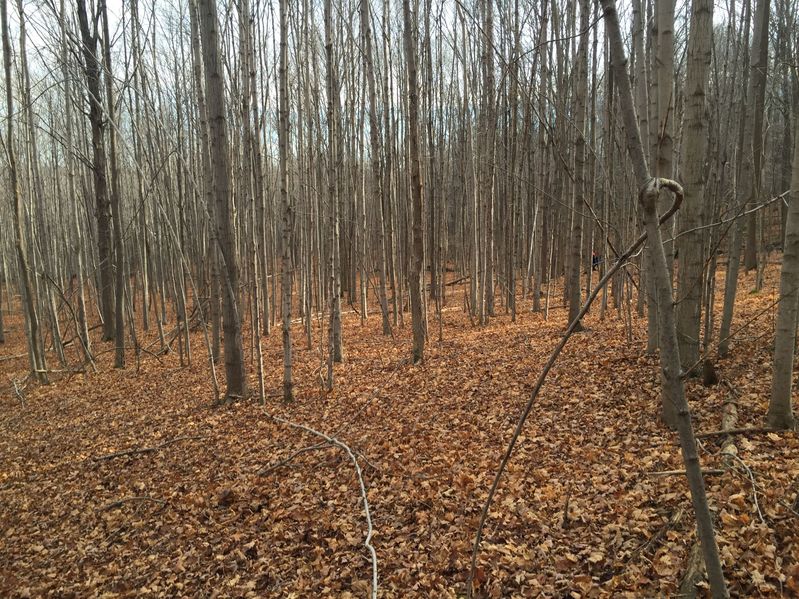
(267, 469)
(675, 472)
(540, 383)
(135, 451)
(121, 502)
(369, 529)
(736, 431)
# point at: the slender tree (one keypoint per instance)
(417, 250)
(287, 207)
(35, 345)
(218, 134)
(780, 408)
(674, 391)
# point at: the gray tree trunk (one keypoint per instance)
(417, 252)
(220, 160)
(695, 132)
(780, 408)
(287, 216)
(673, 390)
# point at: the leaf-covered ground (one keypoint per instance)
(214, 509)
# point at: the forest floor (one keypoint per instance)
(213, 510)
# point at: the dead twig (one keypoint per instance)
(751, 479)
(367, 513)
(18, 391)
(667, 526)
(121, 502)
(736, 431)
(284, 462)
(139, 450)
(682, 472)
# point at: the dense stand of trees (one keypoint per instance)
(223, 165)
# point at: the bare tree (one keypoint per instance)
(217, 125)
(286, 263)
(780, 408)
(35, 344)
(673, 389)
(417, 252)
(93, 69)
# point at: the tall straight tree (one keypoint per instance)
(780, 409)
(92, 70)
(487, 166)
(580, 187)
(220, 160)
(748, 184)
(115, 199)
(379, 190)
(286, 266)
(695, 131)
(336, 354)
(417, 251)
(35, 345)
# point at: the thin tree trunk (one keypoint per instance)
(780, 409)
(674, 391)
(36, 351)
(417, 258)
(225, 235)
(286, 263)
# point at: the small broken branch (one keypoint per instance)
(121, 502)
(139, 450)
(367, 513)
(736, 431)
(682, 472)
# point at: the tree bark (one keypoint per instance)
(225, 236)
(695, 132)
(92, 69)
(674, 391)
(780, 408)
(286, 262)
(417, 253)
(36, 350)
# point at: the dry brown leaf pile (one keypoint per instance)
(211, 510)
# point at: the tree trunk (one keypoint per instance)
(780, 409)
(674, 391)
(417, 257)
(92, 69)
(225, 235)
(575, 259)
(36, 349)
(695, 131)
(286, 263)
(115, 202)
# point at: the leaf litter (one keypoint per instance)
(123, 484)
